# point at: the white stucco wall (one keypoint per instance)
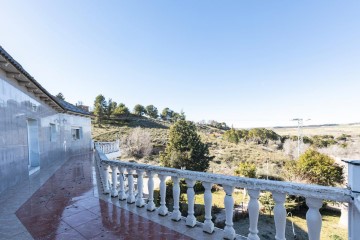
(17, 105)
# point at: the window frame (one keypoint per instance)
(76, 133)
(53, 132)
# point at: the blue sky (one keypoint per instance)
(248, 63)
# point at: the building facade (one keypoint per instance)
(36, 128)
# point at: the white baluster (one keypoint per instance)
(114, 192)
(253, 214)
(208, 224)
(229, 231)
(163, 210)
(313, 218)
(176, 214)
(190, 219)
(122, 193)
(354, 205)
(131, 197)
(139, 198)
(106, 178)
(150, 205)
(279, 215)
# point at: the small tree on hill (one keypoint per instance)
(110, 108)
(99, 108)
(185, 149)
(167, 114)
(60, 96)
(182, 115)
(246, 170)
(121, 109)
(317, 168)
(231, 136)
(177, 116)
(139, 110)
(152, 111)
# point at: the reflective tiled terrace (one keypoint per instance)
(64, 202)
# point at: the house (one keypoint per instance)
(36, 128)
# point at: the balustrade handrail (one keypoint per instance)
(107, 147)
(314, 194)
(291, 188)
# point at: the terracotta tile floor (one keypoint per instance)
(67, 206)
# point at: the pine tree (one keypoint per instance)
(60, 96)
(139, 110)
(99, 108)
(185, 149)
(152, 111)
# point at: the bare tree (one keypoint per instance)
(137, 144)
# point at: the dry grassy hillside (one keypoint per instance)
(227, 155)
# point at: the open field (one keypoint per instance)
(337, 130)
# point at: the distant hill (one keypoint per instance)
(319, 125)
(352, 129)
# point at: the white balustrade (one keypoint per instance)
(313, 218)
(253, 208)
(122, 193)
(229, 231)
(139, 198)
(279, 215)
(176, 214)
(208, 224)
(150, 204)
(131, 196)
(163, 210)
(354, 206)
(114, 192)
(106, 179)
(314, 194)
(108, 147)
(190, 219)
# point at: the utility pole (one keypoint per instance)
(268, 150)
(300, 122)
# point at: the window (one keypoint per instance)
(76, 133)
(52, 132)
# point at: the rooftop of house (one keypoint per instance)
(14, 70)
(72, 108)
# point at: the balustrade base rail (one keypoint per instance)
(314, 195)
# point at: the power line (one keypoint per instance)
(300, 122)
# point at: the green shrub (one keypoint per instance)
(323, 141)
(317, 168)
(343, 145)
(258, 135)
(231, 136)
(246, 169)
(335, 237)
